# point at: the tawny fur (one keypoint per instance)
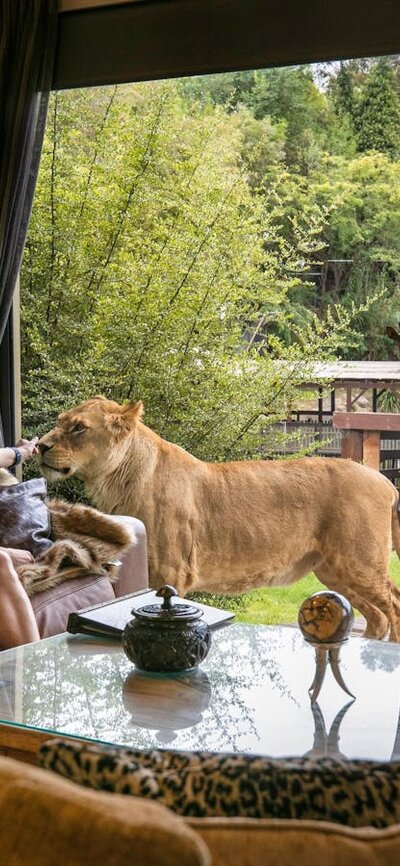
(85, 543)
(7, 479)
(236, 526)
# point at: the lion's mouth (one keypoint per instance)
(63, 470)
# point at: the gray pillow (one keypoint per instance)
(205, 784)
(24, 516)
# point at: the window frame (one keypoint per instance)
(117, 41)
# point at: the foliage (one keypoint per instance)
(156, 267)
(289, 97)
(325, 186)
(199, 243)
(342, 91)
(378, 116)
(363, 197)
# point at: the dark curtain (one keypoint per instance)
(28, 31)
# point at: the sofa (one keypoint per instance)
(45, 819)
(275, 842)
(52, 607)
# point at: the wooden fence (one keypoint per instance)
(324, 439)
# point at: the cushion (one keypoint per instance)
(47, 821)
(273, 842)
(53, 606)
(354, 793)
(24, 516)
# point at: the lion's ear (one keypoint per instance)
(123, 422)
(134, 411)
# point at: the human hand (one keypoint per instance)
(28, 447)
(18, 557)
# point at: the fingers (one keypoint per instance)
(28, 447)
(18, 557)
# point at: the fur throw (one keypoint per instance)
(7, 479)
(86, 542)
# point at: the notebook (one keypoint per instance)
(110, 618)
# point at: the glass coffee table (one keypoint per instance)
(250, 695)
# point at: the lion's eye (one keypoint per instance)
(79, 428)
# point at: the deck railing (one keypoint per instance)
(292, 437)
(377, 448)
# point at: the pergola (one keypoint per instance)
(356, 378)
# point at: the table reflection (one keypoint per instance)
(166, 705)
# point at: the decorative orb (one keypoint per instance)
(325, 617)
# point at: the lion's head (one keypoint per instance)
(86, 437)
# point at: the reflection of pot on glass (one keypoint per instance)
(166, 703)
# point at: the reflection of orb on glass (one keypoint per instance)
(325, 617)
(166, 703)
(166, 737)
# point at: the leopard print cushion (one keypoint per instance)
(200, 784)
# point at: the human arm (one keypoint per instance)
(17, 620)
(18, 557)
(26, 448)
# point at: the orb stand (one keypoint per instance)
(324, 655)
(326, 743)
(325, 621)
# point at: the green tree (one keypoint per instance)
(362, 198)
(228, 90)
(292, 101)
(342, 91)
(377, 119)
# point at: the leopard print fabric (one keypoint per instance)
(204, 784)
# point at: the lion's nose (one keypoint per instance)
(43, 448)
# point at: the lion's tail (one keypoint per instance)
(396, 523)
(396, 544)
(395, 590)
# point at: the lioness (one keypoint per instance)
(230, 527)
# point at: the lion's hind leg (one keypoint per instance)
(395, 627)
(370, 594)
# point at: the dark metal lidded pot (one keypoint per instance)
(167, 637)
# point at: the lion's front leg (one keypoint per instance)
(172, 556)
(182, 578)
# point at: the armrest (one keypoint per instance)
(46, 819)
(133, 574)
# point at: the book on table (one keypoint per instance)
(110, 618)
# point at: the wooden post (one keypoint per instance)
(371, 448)
(362, 434)
(352, 445)
(320, 406)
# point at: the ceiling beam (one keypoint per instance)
(172, 38)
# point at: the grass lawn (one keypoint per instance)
(278, 604)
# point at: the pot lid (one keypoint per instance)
(167, 611)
